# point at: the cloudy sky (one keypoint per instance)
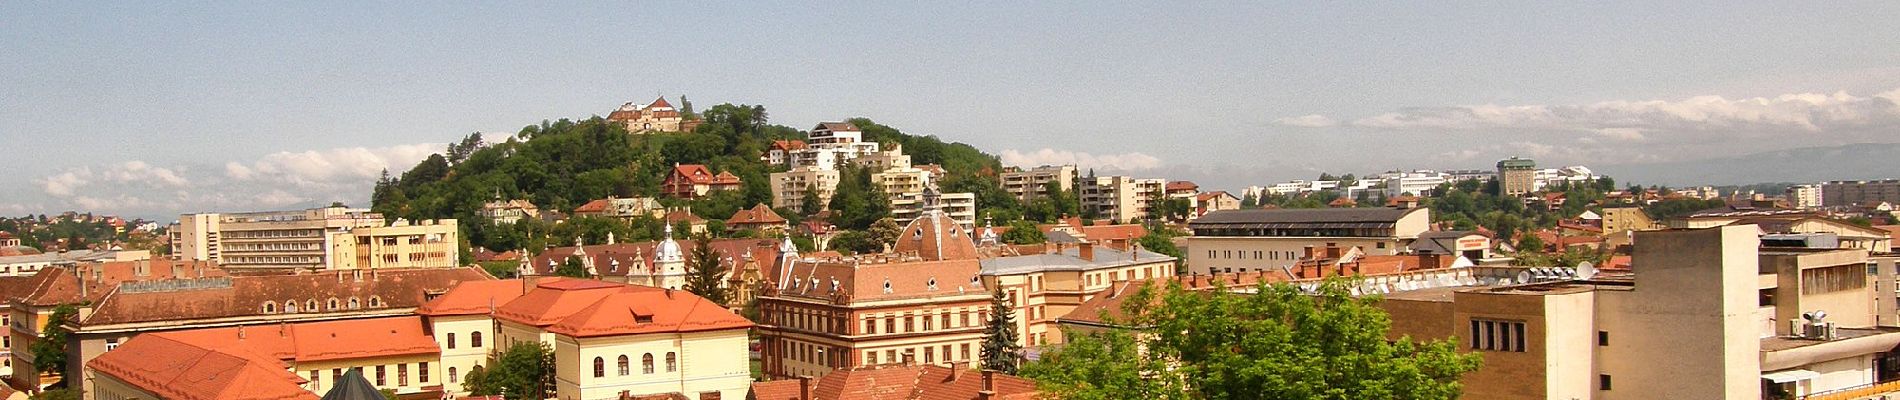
(150, 111)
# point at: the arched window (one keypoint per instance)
(290, 306)
(270, 308)
(646, 363)
(475, 339)
(451, 340)
(375, 301)
(452, 377)
(310, 305)
(333, 304)
(354, 304)
(625, 368)
(600, 367)
(672, 362)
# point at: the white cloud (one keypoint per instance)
(65, 183)
(1797, 111)
(1125, 161)
(273, 181)
(1307, 121)
(1621, 134)
(327, 168)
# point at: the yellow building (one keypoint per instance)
(462, 324)
(611, 338)
(314, 239)
(1044, 287)
(429, 244)
(1241, 241)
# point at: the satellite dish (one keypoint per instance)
(1524, 277)
(1586, 270)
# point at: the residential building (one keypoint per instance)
(892, 158)
(183, 299)
(267, 240)
(430, 244)
(1256, 240)
(287, 361)
(690, 181)
(1624, 219)
(658, 116)
(925, 298)
(898, 181)
(840, 135)
(615, 339)
(1119, 198)
(625, 209)
(684, 215)
(1517, 176)
(1804, 196)
(1848, 193)
(509, 211)
(758, 218)
(1785, 221)
(1042, 287)
(663, 263)
(11, 286)
(900, 382)
(1181, 189)
(463, 325)
(1214, 201)
(32, 301)
(960, 207)
(780, 153)
(1415, 183)
(789, 187)
(1029, 184)
(26, 265)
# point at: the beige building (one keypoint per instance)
(1029, 184)
(626, 208)
(1044, 287)
(1517, 176)
(1804, 196)
(463, 326)
(611, 339)
(658, 116)
(1848, 193)
(314, 239)
(1119, 198)
(1241, 241)
(789, 187)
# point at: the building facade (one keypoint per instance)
(1517, 176)
(1030, 184)
(1848, 193)
(658, 116)
(1044, 287)
(611, 339)
(1119, 198)
(789, 187)
(1242, 241)
(314, 239)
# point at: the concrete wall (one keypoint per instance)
(1690, 313)
(713, 361)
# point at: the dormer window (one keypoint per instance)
(919, 234)
(375, 301)
(333, 304)
(270, 308)
(887, 286)
(290, 306)
(933, 283)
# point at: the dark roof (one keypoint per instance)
(1302, 216)
(353, 387)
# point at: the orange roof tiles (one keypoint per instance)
(898, 382)
(587, 308)
(757, 215)
(660, 102)
(935, 236)
(62, 285)
(1182, 186)
(248, 362)
(472, 298)
(595, 206)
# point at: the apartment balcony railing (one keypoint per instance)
(1872, 390)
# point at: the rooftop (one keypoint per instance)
(1304, 216)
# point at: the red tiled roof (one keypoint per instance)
(394, 290)
(246, 362)
(695, 173)
(683, 215)
(836, 126)
(472, 298)
(599, 205)
(898, 382)
(758, 215)
(935, 237)
(1113, 232)
(1892, 230)
(788, 144)
(633, 257)
(725, 178)
(1182, 186)
(660, 102)
(636, 310)
(1342, 202)
(865, 280)
(60, 285)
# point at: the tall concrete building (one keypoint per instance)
(314, 239)
(1029, 184)
(1245, 241)
(789, 187)
(1119, 198)
(1804, 196)
(1517, 176)
(1847, 193)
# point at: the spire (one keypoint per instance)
(930, 200)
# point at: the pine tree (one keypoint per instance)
(1001, 352)
(704, 273)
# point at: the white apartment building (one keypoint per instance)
(789, 187)
(1028, 184)
(1804, 196)
(960, 207)
(313, 239)
(1120, 198)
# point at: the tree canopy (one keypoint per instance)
(523, 371)
(704, 274)
(1275, 343)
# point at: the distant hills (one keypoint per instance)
(1809, 164)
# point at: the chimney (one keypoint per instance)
(1427, 260)
(804, 387)
(989, 386)
(910, 358)
(1332, 251)
(957, 369)
(1087, 250)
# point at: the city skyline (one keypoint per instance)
(151, 114)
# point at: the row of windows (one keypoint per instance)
(474, 339)
(291, 306)
(277, 234)
(1257, 254)
(272, 246)
(1496, 335)
(274, 260)
(929, 354)
(646, 364)
(930, 321)
(1097, 279)
(382, 375)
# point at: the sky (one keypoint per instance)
(151, 110)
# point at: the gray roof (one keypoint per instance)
(78, 255)
(1069, 259)
(1439, 242)
(1305, 216)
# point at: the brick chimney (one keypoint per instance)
(1309, 252)
(1427, 260)
(957, 369)
(989, 386)
(1087, 250)
(1333, 251)
(804, 387)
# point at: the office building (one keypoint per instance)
(1241, 241)
(1517, 176)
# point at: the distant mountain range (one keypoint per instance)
(1810, 164)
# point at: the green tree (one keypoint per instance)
(523, 371)
(704, 272)
(884, 231)
(1276, 342)
(49, 353)
(809, 204)
(572, 268)
(58, 394)
(855, 242)
(1000, 349)
(1023, 232)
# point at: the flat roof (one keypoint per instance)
(1779, 343)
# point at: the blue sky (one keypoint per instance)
(155, 109)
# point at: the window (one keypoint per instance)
(1381, 245)
(1497, 335)
(475, 339)
(452, 377)
(672, 362)
(890, 325)
(270, 308)
(316, 380)
(646, 363)
(626, 367)
(600, 367)
(930, 354)
(111, 343)
(336, 374)
(381, 378)
(870, 358)
(354, 304)
(1603, 382)
(422, 371)
(1603, 338)
(910, 324)
(965, 352)
(402, 374)
(451, 340)
(870, 327)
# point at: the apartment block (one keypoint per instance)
(1119, 198)
(1847, 193)
(1804, 196)
(614, 339)
(1028, 184)
(428, 244)
(1517, 176)
(789, 187)
(313, 239)
(960, 207)
(1238, 241)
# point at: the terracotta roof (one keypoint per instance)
(695, 173)
(788, 144)
(935, 236)
(1343, 202)
(623, 259)
(395, 290)
(1113, 232)
(1304, 216)
(684, 215)
(864, 278)
(175, 369)
(1106, 305)
(556, 299)
(473, 298)
(633, 310)
(660, 102)
(61, 285)
(899, 382)
(725, 178)
(1182, 186)
(1892, 230)
(594, 206)
(758, 215)
(1211, 195)
(835, 126)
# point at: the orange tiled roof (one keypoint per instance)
(636, 310)
(594, 206)
(1113, 232)
(1182, 186)
(175, 369)
(635, 257)
(788, 144)
(61, 285)
(660, 102)
(683, 215)
(935, 237)
(898, 382)
(758, 215)
(695, 173)
(836, 126)
(472, 298)
(551, 301)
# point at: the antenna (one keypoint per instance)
(1586, 270)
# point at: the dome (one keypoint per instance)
(936, 237)
(668, 250)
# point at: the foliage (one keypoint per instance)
(884, 231)
(858, 202)
(1057, 203)
(1000, 349)
(49, 353)
(1160, 239)
(523, 371)
(572, 268)
(1023, 232)
(1274, 343)
(855, 242)
(58, 394)
(705, 275)
(1568, 257)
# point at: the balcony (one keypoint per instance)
(1869, 391)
